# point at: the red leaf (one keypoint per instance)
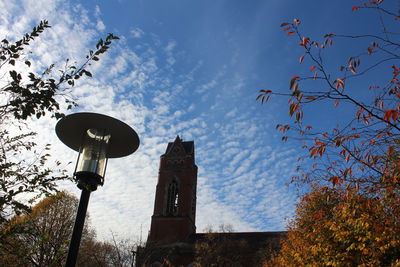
(284, 24)
(304, 41)
(266, 91)
(290, 33)
(372, 141)
(336, 180)
(359, 112)
(264, 95)
(288, 28)
(313, 151)
(390, 114)
(295, 86)
(292, 81)
(370, 50)
(329, 35)
(314, 165)
(318, 215)
(336, 102)
(339, 83)
(355, 8)
(312, 68)
(301, 59)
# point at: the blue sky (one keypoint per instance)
(188, 68)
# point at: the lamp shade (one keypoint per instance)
(123, 139)
(96, 137)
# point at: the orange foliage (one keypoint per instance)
(342, 228)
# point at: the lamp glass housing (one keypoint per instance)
(92, 157)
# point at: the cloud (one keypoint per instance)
(137, 32)
(100, 25)
(169, 50)
(241, 171)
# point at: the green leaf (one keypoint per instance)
(88, 73)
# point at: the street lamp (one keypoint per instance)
(96, 137)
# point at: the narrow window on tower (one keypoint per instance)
(172, 198)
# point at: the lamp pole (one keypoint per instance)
(78, 229)
(96, 137)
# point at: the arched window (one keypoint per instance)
(172, 198)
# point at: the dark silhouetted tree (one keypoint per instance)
(24, 95)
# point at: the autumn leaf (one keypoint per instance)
(315, 75)
(328, 35)
(290, 33)
(391, 114)
(301, 59)
(293, 108)
(336, 180)
(295, 87)
(312, 68)
(264, 96)
(355, 8)
(304, 41)
(293, 80)
(359, 112)
(339, 83)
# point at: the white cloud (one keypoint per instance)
(100, 25)
(169, 50)
(137, 32)
(241, 175)
(97, 11)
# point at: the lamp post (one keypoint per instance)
(96, 137)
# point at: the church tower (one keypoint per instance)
(174, 214)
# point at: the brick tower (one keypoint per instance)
(174, 214)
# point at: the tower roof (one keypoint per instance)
(188, 146)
